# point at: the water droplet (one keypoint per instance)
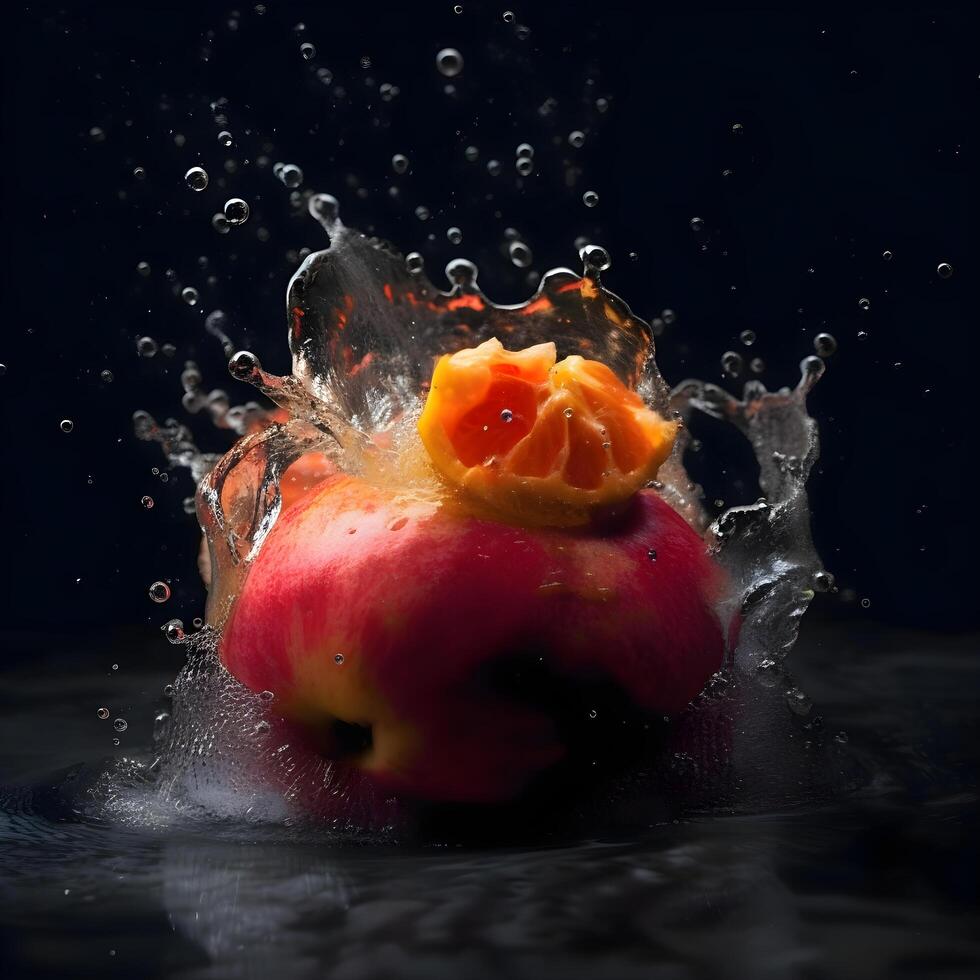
(864, 303)
(338, 658)
(747, 337)
(567, 412)
(139, 173)
(189, 295)
(458, 9)
(493, 168)
(196, 178)
(422, 213)
(307, 50)
(508, 16)
(325, 206)
(520, 254)
(576, 138)
(506, 415)
(159, 592)
(147, 502)
(865, 603)
(173, 630)
(236, 211)
(267, 696)
(106, 376)
(120, 724)
(944, 270)
(220, 223)
(143, 268)
(262, 728)
(3, 370)
(103, 713)
(697, 224)
(449, 62)
(825, 344)
(462, 272)
(225, 138)
(146, 347)
(524, 150)
(886, 255)
(595, 258)
(414, 263)
(758, 365)
(812, 367)
(593, 713)
(823, 581)
(290, 175)
(652, 554)
(399, 163)
(472, 154)
(590, 199)
(67, 425)
(524, 166)
(454, 235)
(732, 363)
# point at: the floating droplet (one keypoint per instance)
(146, 347)
(159, 592)
(196, 178)
(595, 258)
(236, 211)
(590, 199)
(825, 344)
(520, 254)
(732, 363)
(449, 62)
(289, 174)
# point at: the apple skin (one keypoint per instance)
(376, 618)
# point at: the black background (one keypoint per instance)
(859, 135)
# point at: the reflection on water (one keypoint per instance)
(880, 881)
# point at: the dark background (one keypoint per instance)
(858, 135)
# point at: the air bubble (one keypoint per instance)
(524, 150)
(697, 224)
(886, 255)
(414, 263)
(524, 166)
(236, 211)
(747, 337)
(493, 168)
(576, 138)
(944, 270)
(508, 16)
(454, 235)
(506, 415)
(462, 272)
(422, 213)
(103, 713)
(590, 199)
(143, 268)
(449, 62)
(159, 592)
(399, 163)
(147, 502)
(652, 554)
(67, 425)
(220, 223)
(567, 412)
(189, 295)
(823, 581)
(196, 178)
(338, 658)
(173, 630)
(865, 603)
(120, 724)
(307, 50)
(864, 303)
(225, 138)
(106, 376)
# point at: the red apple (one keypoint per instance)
(382, 623)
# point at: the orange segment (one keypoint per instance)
(540, 440)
